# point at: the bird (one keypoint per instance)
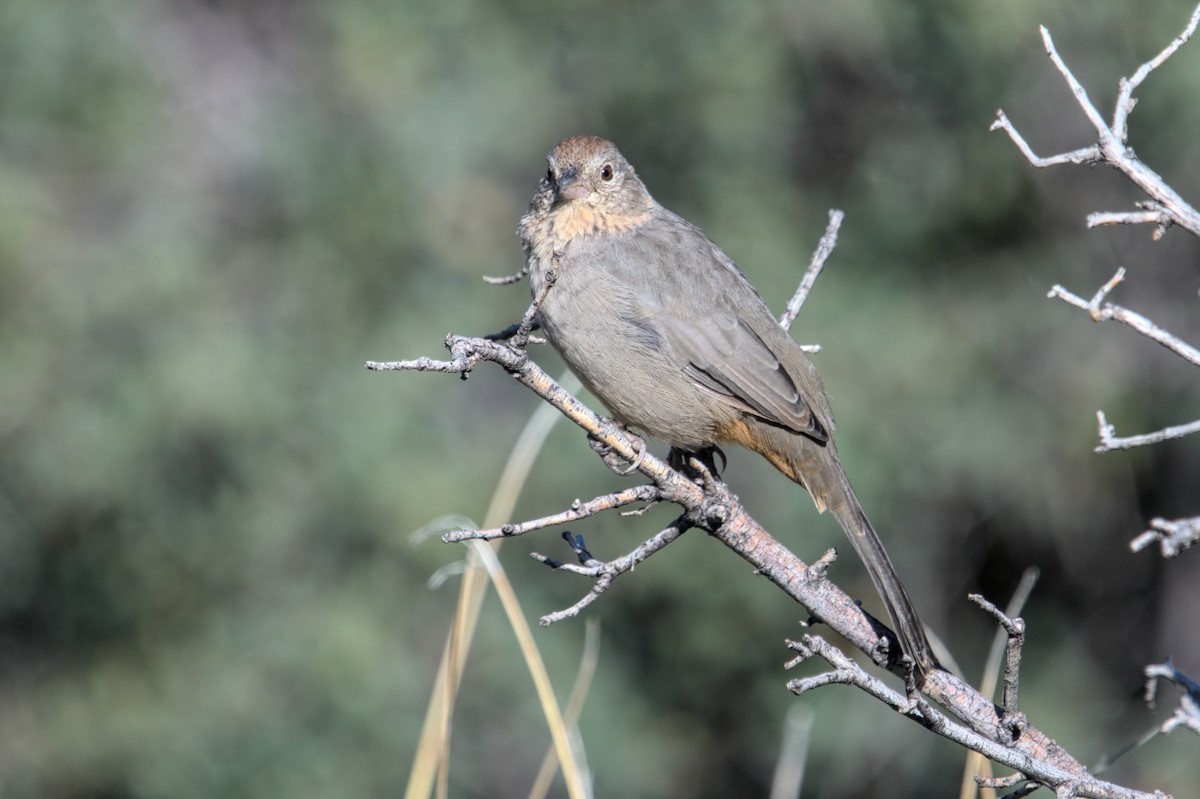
(665, 330)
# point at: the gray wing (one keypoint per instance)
(712, 323)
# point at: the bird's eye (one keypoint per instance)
(550, 175)
(606, 172)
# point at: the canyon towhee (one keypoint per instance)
(669, 334)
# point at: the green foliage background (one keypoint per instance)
(211, 213)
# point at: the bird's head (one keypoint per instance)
(591, 171)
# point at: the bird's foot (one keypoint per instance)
(510, 332)
(700, 466)
(615, 462)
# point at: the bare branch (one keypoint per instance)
(1173, 535)
(847, 672)
(1125, 100)
(1084, 155)
(1103, 218)
(976, 768)
(819, 257)
(520, 339)
(606, 572)
(1110, 147)
(1109, 440)
(1151, 213)
(1001, 782)
(507, 280)
(1081, 95)
(1015, 720)
(1101, 311)
(1164, 208)
(579, 510)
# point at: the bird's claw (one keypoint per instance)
(641, 456)
(700, 466)
(614, 461)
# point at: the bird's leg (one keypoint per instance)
(700, 466)
(512, 330)
(614, 461)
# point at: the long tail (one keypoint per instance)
(815, 466)
(862, 535)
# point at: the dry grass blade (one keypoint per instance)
(579, 692)
(435, 733)
(578, 783)
(793, 753)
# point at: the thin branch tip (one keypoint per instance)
(1111, 144)
(820, 255)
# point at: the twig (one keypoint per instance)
(1109, 441)
(1173, 535)
(1081, 95)
(605, 572)
(462, 362)
(1001, 782)
(1086, 156)
(976, 769)
(816, 264)
(1023, 791)
(1102, 218)
(520, 339)
(1015, 721)
(1101, 311)
(579, 510)
(1151, 213)
(1125, 99)
(1110, 147)
(507, 280)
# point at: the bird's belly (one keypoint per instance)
(623, 364)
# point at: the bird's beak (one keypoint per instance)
(570, 187)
